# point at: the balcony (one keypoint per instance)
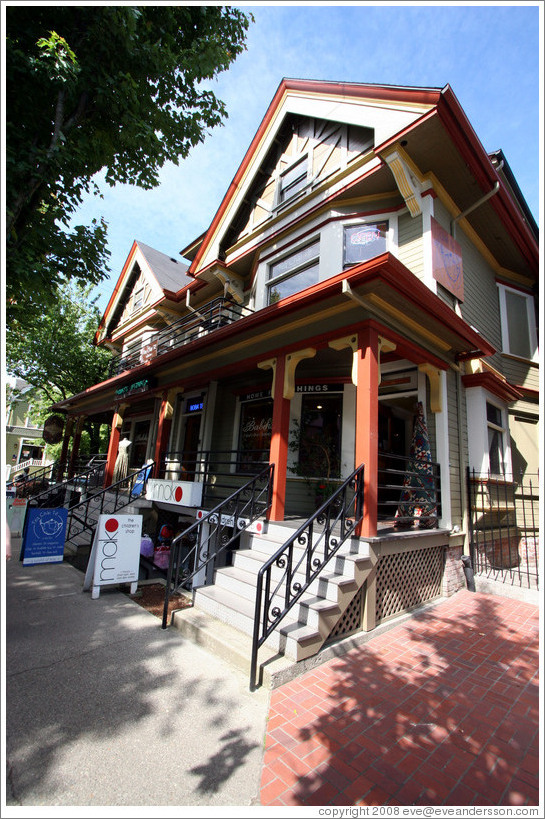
(210, 317)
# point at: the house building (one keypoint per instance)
(24, 439)
(369, 258)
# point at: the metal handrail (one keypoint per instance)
(226, 521)
(211, 316)
(83, 479)
(81, 511)
(339, 517)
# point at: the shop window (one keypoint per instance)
(519, 334)
(363, 242)
(294, 273)
(293, 179)
(254, 434)
(319, 438)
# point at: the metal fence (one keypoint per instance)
(504, 527)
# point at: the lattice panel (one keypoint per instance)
(350, 621)
(408, 579)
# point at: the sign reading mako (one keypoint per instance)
(115, 555)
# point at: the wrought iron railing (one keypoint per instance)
(29, 485)
(211, 316)
(220, 472)
(408, 490)
(302, 558)
(504, 527)
(83, 517)
(196, 552)
(81, 484)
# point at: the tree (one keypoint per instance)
(54, 349)
(91, 88)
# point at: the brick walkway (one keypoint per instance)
(440, 710)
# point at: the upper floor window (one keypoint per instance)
(518, 323)
(293, 179)
(363, 242)
(294, 273)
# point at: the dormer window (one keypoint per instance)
(293, 179)
(138, 299)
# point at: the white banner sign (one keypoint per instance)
(177, 493)
(115, 555)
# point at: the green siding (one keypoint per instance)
(410, 244)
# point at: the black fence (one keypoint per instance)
(504, 527)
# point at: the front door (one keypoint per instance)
(190, 446)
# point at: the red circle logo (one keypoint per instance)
(111, 525)
(178, 494)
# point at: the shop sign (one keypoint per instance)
(447, 260)
(44, 537)
(319, 388)
(255, 395)
(177, 493)
(16, 509)
(224, 520)
(53, 429)
(115, 554)
(143, 385)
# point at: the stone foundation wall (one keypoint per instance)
(453, 575)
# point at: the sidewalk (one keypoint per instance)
(441, 710)
(106, 708)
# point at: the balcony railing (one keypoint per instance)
(210, 317)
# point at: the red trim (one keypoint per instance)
(367, 425)
(519, 287)
(502, 389)
(113, 446)
(429, 192)
(163, 434)
(279, 442)
(116, 289)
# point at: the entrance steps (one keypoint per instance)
(305, 629)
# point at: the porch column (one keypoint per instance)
(367, 424)
(279, 439)
(64, 450)
(115, 434)
(163, 429)
(75, 445)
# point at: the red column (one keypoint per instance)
(367, 424)
(279, 442)
(75, 446)
(163, 431)
(113, 445)
(64, 450)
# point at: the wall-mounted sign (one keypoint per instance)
(318, 388)
(143, 385)
(115, 554)
(53, 429)
(194, 405)
(45, 533)
(174, 493)
(255, 395)
(447, 260)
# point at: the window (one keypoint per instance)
(519, 332)
(255, 434)
(363, 242)
(293, 179)
(320, 436)
(294, 272)
(496, 432)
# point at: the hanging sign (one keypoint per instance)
(45, 533)
(115, 554)
(447, 260)
(53, 429)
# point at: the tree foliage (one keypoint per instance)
(91, 88)
(54, 349)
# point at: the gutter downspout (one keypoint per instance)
(187, 304)
(476, 204)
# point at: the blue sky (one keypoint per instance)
(489, 54)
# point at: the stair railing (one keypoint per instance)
(107, 501)
(85, 481)
(337, 519)
(196, 550)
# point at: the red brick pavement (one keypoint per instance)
(440, 710)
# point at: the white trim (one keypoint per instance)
(443, 455)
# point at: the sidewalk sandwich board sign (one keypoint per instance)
(44, 536)
(115, 554)
(15, 513)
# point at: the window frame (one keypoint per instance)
(531, 319)
(285, 193)
(300, 267)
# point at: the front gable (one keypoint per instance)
(310, 131)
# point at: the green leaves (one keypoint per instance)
(98, 88)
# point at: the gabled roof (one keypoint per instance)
(440, 140)
(166, 275)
